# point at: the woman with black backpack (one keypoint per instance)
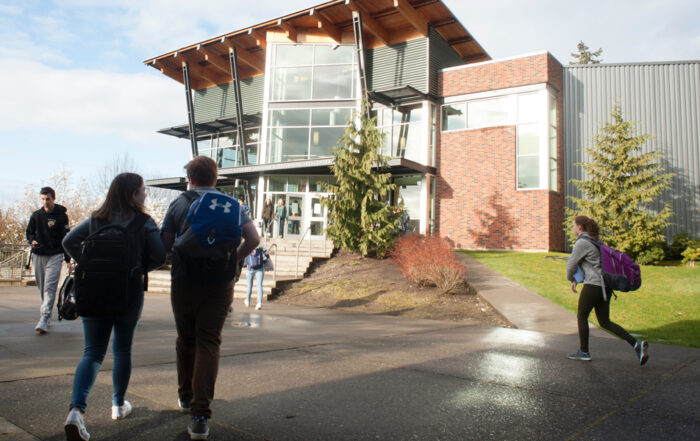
(586, 256)
(110, 297)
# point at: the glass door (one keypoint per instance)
(295, 215)
(317, 217)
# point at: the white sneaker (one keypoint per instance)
(246, 303)
(75, 427)
(119, 412)
(42, 327)
(258, 306)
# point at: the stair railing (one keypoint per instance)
(269, 250)
(296, 270)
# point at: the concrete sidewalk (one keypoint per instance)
(314, 374)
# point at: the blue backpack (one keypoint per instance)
(210, 236)
(255, 259)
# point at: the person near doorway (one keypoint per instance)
(268, 216)
(255, 269)
(45, 231)
(281, 216)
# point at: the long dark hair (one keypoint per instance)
(120, 197)
(588, 225)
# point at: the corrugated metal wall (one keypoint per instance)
(401, 64)
(441, 56)
(663, 100)
(219, 102)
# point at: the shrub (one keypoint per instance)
(680, 242)
(429, 261)
(652, 255)
(692, 253)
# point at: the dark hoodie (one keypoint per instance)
(48, 229)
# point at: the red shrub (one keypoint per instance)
(429, 260)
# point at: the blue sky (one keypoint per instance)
(75, 92)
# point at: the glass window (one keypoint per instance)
(293, 54)
(488, 113)
(290, 117)
(276, 183)
(529, 109)
(552, 110)
(204, 143)
(332, 54)
(296, 183)
(316, 183)
(528, 139)
(323, 139)
(330, 117)
(528, 172)
(292, 83)
(454, 117)
(333, 82)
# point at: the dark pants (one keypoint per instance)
(200, 312)
(267, 227)
(592, 297)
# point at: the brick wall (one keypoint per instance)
(477, 203)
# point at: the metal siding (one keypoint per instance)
(441, 56)
(401, 64)
(662, 99)
(218, 101)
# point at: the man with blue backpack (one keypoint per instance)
(204, 228)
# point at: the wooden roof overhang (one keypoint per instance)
(385, 22)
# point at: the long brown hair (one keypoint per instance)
(588, 225)
(120, 197)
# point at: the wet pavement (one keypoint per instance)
(290, 373)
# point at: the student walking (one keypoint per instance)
(255, 269)
(45, 231)
(268, 215)
(281, 215)
(586, 256)
(124, 207)
(201, 292)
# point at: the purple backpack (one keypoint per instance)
(620, 272)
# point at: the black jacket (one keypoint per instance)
(48, 229)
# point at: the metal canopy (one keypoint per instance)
(213, 127)
(398, 95)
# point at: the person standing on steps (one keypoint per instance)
(255, 269)
(593, 295)
(268, 216)
(45, 231)
(281, 216)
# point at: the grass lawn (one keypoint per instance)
(666, 309)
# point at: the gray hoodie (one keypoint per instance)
(586, 255)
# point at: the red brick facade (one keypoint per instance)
(477, 202)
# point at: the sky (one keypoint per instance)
(75, 94)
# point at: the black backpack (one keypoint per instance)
(108, 274)
(66, 300)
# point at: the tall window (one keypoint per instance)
(298, 134)
(528, 140)
(223, 148)
(302, 72)
(553, 143)
(403, 130)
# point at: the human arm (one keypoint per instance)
(72, 242)
(250, 240)
(155, 251)
(31, 232)
(577, 254)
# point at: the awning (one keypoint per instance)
(213, 127)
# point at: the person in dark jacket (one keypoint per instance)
(46, 229)
(586, 256)
(123, 204)
(268, 216)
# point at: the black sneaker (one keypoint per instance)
(184, 405)
(580, 355)
(198, 428)
(642, 350)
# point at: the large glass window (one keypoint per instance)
(312, 72)
(403, 130)
(223, 148)
(297, 134)
(488, 113)
(531, 115)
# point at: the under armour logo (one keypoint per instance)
(215, 203)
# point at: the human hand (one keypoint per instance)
(36, 245)
(70, 267)
(573, 287)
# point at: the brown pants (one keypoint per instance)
(200, 312)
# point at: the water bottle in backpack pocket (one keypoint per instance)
(209, 239)
(108, 273)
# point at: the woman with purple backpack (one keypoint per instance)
(586, 256)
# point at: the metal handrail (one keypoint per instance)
(296, 270)
(274, 271)
(14, 262)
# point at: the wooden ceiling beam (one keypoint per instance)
(460, 40)
(368, 22)
(288, 28)
(414, 17)
(260, 39)
(169, 71)
(326, 26)
(446, 22)
(244, 55)
(215, 59)
(197, 72)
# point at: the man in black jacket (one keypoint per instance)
(45, 231)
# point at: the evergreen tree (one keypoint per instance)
(621, 183)
(359, 219)
(585, 56)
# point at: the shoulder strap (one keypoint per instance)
(137, 223)
(191, 195)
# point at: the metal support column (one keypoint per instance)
(360, 50)
(233, 61)
(190, 108)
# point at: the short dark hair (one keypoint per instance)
(202, 171)
(48, 190)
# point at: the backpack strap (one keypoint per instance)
(190, 196)
(137, 223)
(596, 243)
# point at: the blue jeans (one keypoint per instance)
(97, 331)
(260, 272)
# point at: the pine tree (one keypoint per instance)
(621, 183)
(359, 219)
(585, 56)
